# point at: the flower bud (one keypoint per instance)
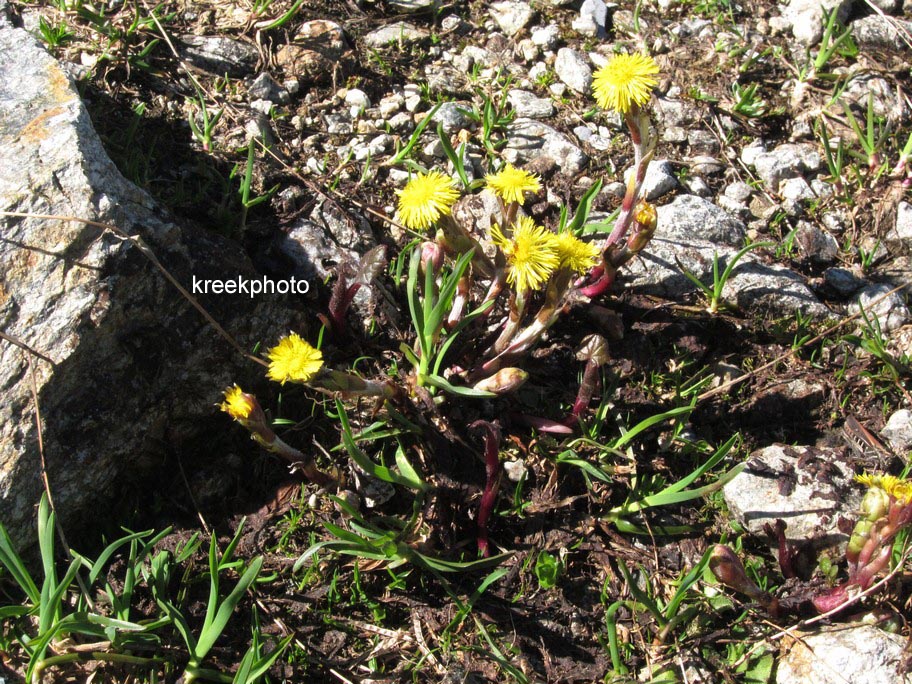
(875, 504)
(860, 535)
(503, 381)
(645, 221)
(729, 570)
(431, 256)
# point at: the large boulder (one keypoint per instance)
(127, 367)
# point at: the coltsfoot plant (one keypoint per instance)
(479, 299)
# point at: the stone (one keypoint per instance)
(314, 52)
(398, 33)
(794, 193)
(529, 140)
(789, 160)
(511, 16)
(316, 245)
(264, 87)
(902, 230)
(357, 99)
(885, 101)
(219, 55)
(136, 370)
(842, 280)
(810, 488)
(693, 231)
(806, 17)
(891, 312)
(415, 5)
(659, 179)
(592, 17)
(739, 191)
(876, 31)
(546, 36)
(817, 245)
(862, 654)
(573, 69)
(453, 116)
(688, 217)
(528, 105)
(898, 431)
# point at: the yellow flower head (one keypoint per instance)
(238, 404)
(293, 359)
(626, 80)
(575, 254)
(897, 487)
(424, 199)
(510, 183)
(531, 254)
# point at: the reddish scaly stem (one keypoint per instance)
(492, 482)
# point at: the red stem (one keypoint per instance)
(492, 483)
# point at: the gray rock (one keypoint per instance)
(687, 217)
(659, 180)
(886, 6)
(891, 312)
(546, 36)
(401, 33)
(390, 104)
(314, 53)
(697, 186)
(357, 99)
(750, 153)
(902, 230)
(774, 289)
(876, 31)
(706, 165)
(264, 87)
(816, 244)
(692, 230)
(591, 20)
(414, 5)
(806, 17)
(812, 510)
(219, 55)
(676, 113)
(898, 431)
(862, 654)
(136, 370)
(528, 139)
(511, 16)
(885, 100)
(789, 160)
(453, 116)
(739, 191)
(842, 280)
(480, 211)
(573, 69)
(795, 192)
(317, 244)
(530, 106)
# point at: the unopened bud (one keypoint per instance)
(860, 535)
(503, 381)
(645, 221)
(875, 504)
(729, 570)
(431, 256)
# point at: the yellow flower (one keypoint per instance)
(293, 359)
(575, 254)
(626, 80)
(510, 183)
(424, 199)
(897, 487)
(531, 254)
(238, 404)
